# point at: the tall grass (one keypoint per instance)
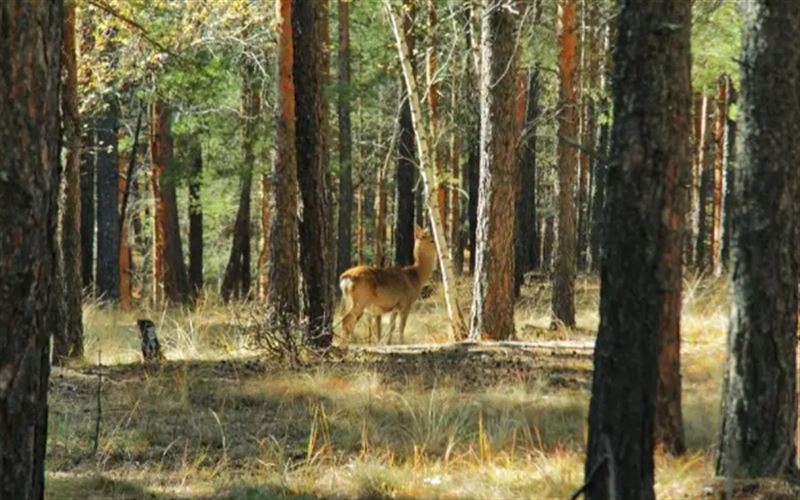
(215, 423)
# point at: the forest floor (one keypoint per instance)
(217, 421)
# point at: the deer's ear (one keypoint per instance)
(418, 232)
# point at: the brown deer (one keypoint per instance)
(387, 290)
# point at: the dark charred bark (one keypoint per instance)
(88, 159)
(107, 270)
(759, 404)
(640, 267)
(404, 199)
(30, 55)
(309, 24)
(196, 220)
(493, 295)
(345, 222)
(527, 225)
(473, 179)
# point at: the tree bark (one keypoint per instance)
(196, 219)
(640, 269)
(309, 24)
(431, 67)
(590, 77)
(107, 271)
(379, 256)
(493, 294)
(171, 282)
(473, 174)
(429, 179)
(124, 258)
(456, 240)
(30, 51)
(527, 234)
(283, 292)
(69, 342)
(361, 232)
(88, 159)
(705, 193)
(719, 176)
(729, 164)
(564, 275)
(759, 405)
(236, 281)
(266, 224)
(599, 166)
(404, 175)
(345, 234)
(693, 217)
(548, 243)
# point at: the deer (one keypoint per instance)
(383, 290)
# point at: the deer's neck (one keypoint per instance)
(424, 263)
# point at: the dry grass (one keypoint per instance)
(216, 422)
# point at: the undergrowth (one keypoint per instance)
(221, 421)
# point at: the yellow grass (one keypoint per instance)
(220, 422)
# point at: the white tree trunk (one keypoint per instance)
(427, 171)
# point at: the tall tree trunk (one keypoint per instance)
(124, 258)
(758, 428)
(196, 219)
(69, 342)
(527, 234)
(641, 264)
(30, 51)
(107, 272)
(564, 275)
(266, 224)
(171, 282)
(345, 234)
(590, 77)
(361, 233)
(309, 23)
(493, 295)
(379, 256)
(473, 171)
(699, 124)
(125, 175)
(236, 281)
(88, 159)
(548, 243)
(729, 164)
(431, 67)
(456, 241)
(404, 175)
(705, 194)
(429, 178)
(283, 292)
(719, 177)
(599, 166)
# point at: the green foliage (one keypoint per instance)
(716, 42)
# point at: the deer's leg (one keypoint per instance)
(403, 317)
(376, 325)
(392, 326)
(350, 319)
